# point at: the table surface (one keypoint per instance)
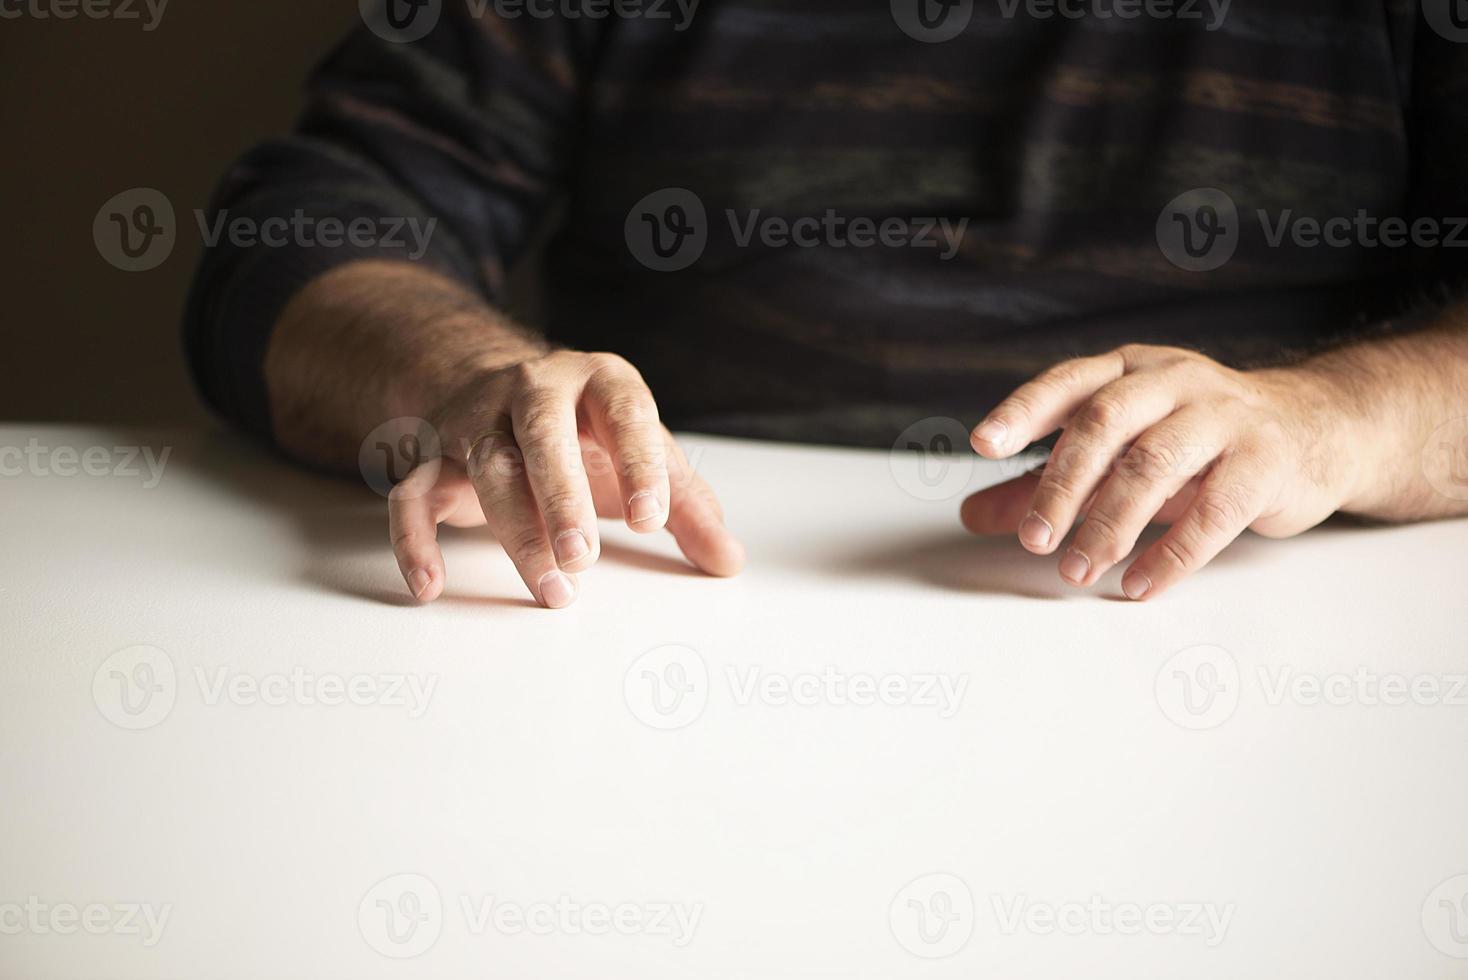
(230, 748)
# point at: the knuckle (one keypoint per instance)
(1064, 376)
(1103, 413)
(525, 546)
(1068, 468)
(613, 369)
(1222, 510)
(496, 460)
(1102, 529)
(405, 543)
(1153, 459)
(562, 506)
(522, 374)
(1134, 354)
(1022, 404)
(633, 411)
(1178, 552)
(639, 461)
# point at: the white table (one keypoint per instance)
(278, 800)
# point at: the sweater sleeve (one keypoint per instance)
(445, 150)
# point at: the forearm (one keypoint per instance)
(1396, 393)
(373, 341)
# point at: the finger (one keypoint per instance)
(696, 520)
(1092, 440)
(1000, 508)
(544, 423)
(1162, 461)
(1039, 407)
(1229, 499)
(497, 469)
(414, 509)
(624, 418)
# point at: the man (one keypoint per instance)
(1213, 244)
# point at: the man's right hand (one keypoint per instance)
(538, 451)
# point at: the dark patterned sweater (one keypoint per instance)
(826, 220)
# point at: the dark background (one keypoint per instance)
(90, 108)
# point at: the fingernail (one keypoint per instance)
(993, 432)
(1035, 531)
(418, 582)
(644, 507)
(571, 546)
(1074, 567)
(1135, 584)
(556, 590)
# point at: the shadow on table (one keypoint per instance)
(342, 524)
(999, 565)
